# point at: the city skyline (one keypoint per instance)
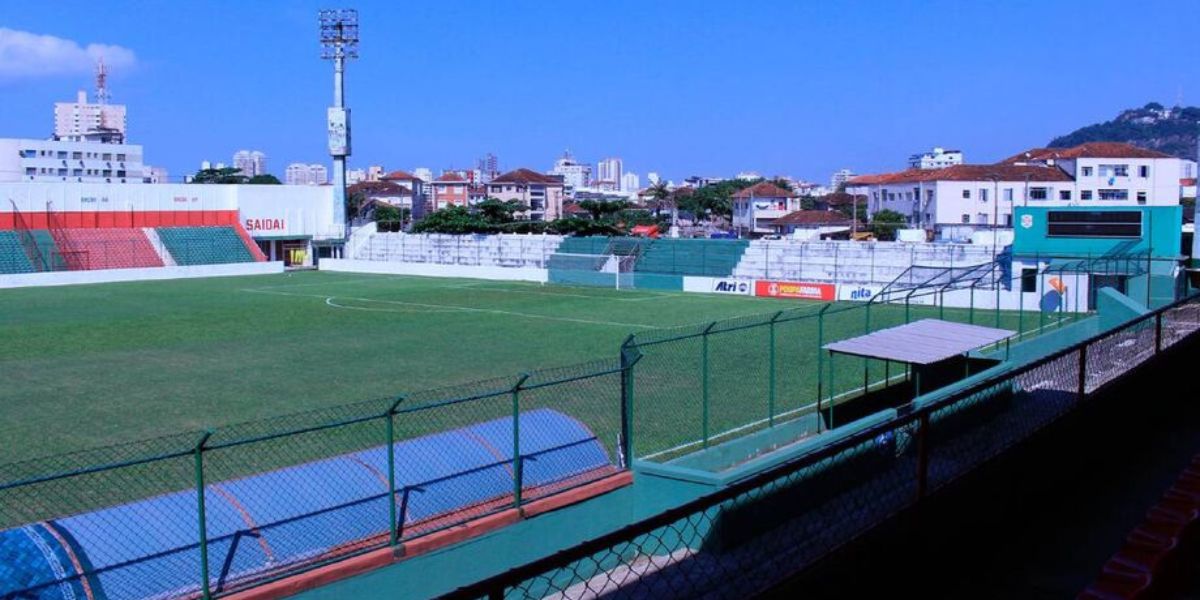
(840, 105)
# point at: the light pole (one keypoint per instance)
(339, 41)
(995, 214)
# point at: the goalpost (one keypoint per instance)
(597, 270)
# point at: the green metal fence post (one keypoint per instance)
(820, 342)
(704, 383)
(198, 452)
(832, 392)
(390, 415)
(771, 374)
(516, 412)
(971, 310)
(867, 361)
(630, 355)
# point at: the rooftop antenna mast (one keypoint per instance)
(339, 42)
(101, 82)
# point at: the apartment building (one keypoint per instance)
(543, 194)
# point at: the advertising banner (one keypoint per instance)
(795, 290)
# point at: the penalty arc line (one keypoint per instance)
(461, 308)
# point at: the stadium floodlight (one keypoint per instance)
(339, 41)
(339, 33)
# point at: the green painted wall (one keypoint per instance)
(1161, 233)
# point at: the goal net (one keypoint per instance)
(595, 270)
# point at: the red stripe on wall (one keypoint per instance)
(112, 219)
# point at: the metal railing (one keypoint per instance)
(208, 513)
(756, 533)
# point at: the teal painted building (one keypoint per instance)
(1137, 250)
(1081, 232)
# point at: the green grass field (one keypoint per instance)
(96, 365)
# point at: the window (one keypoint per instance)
(966, 218)
(1114, 170)
(1141, 197)
(1008, 194)
(29, 153)
(983, 195)
(929, 195)
(1114, 194)
(1144, 171)
(1028, 280)
(967, 194)
(1064, 194)
(1085, 194)
(1008, 220)
(1037, 193)
(982, 218)
(1087, 171)
(1097, 224)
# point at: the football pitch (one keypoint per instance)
(96, 365)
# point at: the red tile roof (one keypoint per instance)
(1187, 181)
(450, 177)
(379, 188)
(813, 217)
(842, 198)
(527, 176)
(764, 189)
(399, 175)
(1088, 150)
(1001, 172)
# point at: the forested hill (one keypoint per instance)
(1170, 130)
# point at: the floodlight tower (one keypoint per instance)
(339, 41)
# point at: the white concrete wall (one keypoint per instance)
(435, 270)
(113, 275)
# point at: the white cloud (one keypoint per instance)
(27, 55)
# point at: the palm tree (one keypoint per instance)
(660, 195)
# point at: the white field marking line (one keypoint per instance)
(315, 283)
(739, 428)
(329, 302)
(462, 308)
(648, 295)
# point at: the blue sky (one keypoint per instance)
(682, 88)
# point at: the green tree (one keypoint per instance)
(454, 219)
(222, 175)
(264, 179)
(885, 224)
(599, 210)
(500, 211)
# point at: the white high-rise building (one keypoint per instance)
(653, 177)
(610, 169)
(354, 176)
(840, 177)
(302, 174)
(80, 117)
(574, 174)
(75, 160)
(424, 174)
(630, 182)
(250, 162)
(937, 158)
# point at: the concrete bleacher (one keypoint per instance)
(504, 250)
(12, 255)
(204, 245)
(110, 248)
(708, 258)
(851, 262)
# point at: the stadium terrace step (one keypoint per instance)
(204, 245)
(12, 255)
(120, 248)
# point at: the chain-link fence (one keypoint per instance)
(704, 384)
(206, 513)
(757, 533)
